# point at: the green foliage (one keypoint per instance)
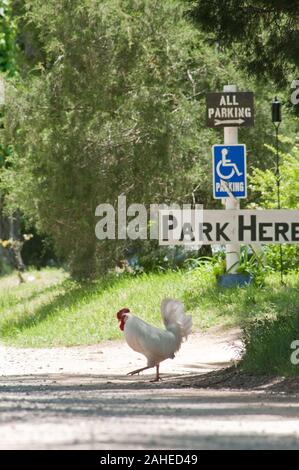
(290, 257)
(263, 184)
(111, 100)
(208, 265)
(264, 35)
(268, 342)
(250, 262)
(7, 38)
(56, 310)
(149, 256)
(5, 267)
(7, 58)
(115, 107)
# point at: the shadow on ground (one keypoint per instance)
(88, 411)
(234, 379)
(230, 378)
(85, 395)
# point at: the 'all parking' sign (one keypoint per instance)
(229, 171)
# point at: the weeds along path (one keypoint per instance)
(80, 398)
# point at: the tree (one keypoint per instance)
(109, 111)
(7, 69)
(7, 38)
(267, 33)
(113, 104)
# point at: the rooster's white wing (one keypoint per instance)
(155, 344)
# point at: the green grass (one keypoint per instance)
(268, 345)
(55, 310)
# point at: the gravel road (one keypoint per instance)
(80, 398)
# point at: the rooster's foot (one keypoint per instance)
(137, 371)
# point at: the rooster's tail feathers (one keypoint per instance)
(187, 326)
(173, 313)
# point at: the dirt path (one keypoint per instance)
(73, 398)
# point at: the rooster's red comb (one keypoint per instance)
(121, 312)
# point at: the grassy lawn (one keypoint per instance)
(55, 310)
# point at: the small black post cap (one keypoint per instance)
(276, 110)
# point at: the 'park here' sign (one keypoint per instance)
(208, 227)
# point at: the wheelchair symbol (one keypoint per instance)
(225, 163)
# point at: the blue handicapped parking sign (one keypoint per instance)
(229, 171)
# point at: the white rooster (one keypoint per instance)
(154, 343)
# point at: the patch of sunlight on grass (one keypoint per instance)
(55, 310)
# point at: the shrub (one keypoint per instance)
(268, 344)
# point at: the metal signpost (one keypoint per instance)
(231, 227)
(229, 110)
(276, 119)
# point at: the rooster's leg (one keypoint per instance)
(138, 370)
(157, 374)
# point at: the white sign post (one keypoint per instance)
(231, 203)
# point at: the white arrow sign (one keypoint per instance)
(227, 122)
